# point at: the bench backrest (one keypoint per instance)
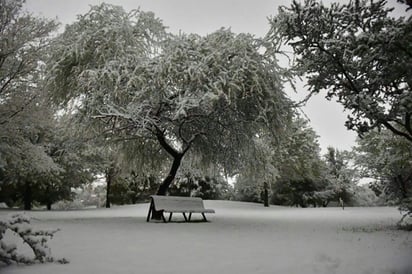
(177, 203)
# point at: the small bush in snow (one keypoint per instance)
(37, 240)
(67, 205)
(406, 211)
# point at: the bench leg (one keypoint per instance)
(150, 211)
(170, 216)
(204, 217)
(184, 215)
(163, 217)
(190, 216)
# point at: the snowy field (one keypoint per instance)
(240, 238)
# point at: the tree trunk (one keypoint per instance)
(164, 186)
(28, 196)
(402, 186)
(48, 199)
(109, 179)
(177, 159)
(171, 176)
(266, 195)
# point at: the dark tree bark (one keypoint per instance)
(265, 195)
(402, 186)
(164, 186)
(28, 196)
(110, 173)
(48, 198)
(177, 159)
(171, 176)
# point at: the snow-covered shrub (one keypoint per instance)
(3, 205)
(406, 211)
(205, 187)
(365, 196)
(36, 240)
(247, 190)
(67, 205)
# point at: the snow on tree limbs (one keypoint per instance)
(359, 54)
(210, 94)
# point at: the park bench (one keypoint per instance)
(174, 204)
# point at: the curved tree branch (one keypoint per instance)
(161, 138)
(396, 131)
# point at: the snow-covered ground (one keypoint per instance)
(240, 238)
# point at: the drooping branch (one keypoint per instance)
(190, 142)
(22, 108)
(11, 77)
(396, 131)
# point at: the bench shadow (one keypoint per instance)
(180, 221)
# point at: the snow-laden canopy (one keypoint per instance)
(358, 54)
(212, 93)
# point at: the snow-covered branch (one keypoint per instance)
(37, 240)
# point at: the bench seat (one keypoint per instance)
(188, 210)
(175, 204)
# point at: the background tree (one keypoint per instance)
(197, 178)
(134, 188)
(358, 54)
(260, 168)
(77, 160)
(111, 171)
(25, 152)
(248, 190)
(24, 118)
(301, 169)
(50, 163)
(292, 168)
(388, 160)
(23, 40)
(208, 94)
(132, 168)
(365, 196)
(341, 175)
(208, 188)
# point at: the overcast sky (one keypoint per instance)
(201, 17)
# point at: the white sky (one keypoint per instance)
(195, 16)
